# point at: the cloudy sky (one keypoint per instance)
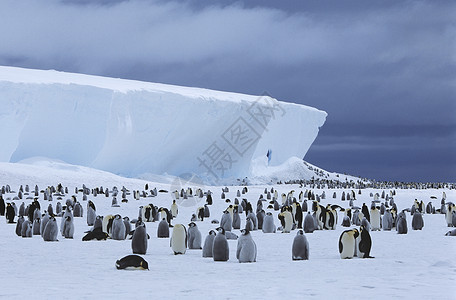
(384, 71)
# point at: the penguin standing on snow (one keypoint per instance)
(208, 243)
(68, 228)
(246, 248)
(139, 239)
(194, 236)
(365, 243)
(163, 229)
(268, 223)
(300, 248)
(178, 241)
(417, 221)
(220, 248)
(347, 243)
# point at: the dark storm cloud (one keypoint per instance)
(383, 70)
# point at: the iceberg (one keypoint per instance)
(133, 128)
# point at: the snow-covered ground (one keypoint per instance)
(418, 265)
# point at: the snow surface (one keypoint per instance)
(418, 265)
(134, 128)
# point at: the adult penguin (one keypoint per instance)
(193, 236)
(178, 241)
(246, 251)
(163, 229)
(174, 209)
(287, 221)
(200, 214)
(365, 212)
(10, 214)
(132, 262)
(51, 230)
(220, 248)
(320, 214)
(268, 223)
(365, 243)
(236, 218)
(68, 228)
(375, 216)
(208, 243)
(298, 215)
(118, 228)
(347, 243)
(2, 205)
(309, 223)
(165, 213)
(417, 221)
(139, 239)
(300, 248)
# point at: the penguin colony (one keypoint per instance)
(301, 212)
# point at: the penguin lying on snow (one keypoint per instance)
(132, 262)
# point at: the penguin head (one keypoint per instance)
(221, 230)
(191, 224)
(300, 232)
(212, 232)
(245, 231)
(143, 264)
(117, 217)
(228, 201)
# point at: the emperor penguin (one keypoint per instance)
(220, 248)
(300, 248)
(67, 213)
(268, 223)
(91, 215)
(19, 223)
(236, 218)
(77, 210)
(26, 230)
(163, 229)
(132, 262)
(417, 221)
(174, 209)
(226, 221)
(401, 225)
(254, 219)
(346, 221)
(451, 233)
(139, 239)
(246, 251)
(387, 220)
(347, 241)
(51, 230)
(309, 223)
(200, 213)
(165, 213)
(44, 221)
(126, 221)
(365, 243)
(207, 213)
(107, 224)
(375, 218)
(118, 228)
(449, 213)
(260, 217)
(10, 214)
(287, 221)
(68, 227)
(178, 241)
(249, 224)
(365, 212)
(2, 205)
(193, 236)
(36, 227)
(298, 215)
(208, 242)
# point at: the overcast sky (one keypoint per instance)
(384, 71)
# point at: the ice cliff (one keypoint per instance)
(132, 128)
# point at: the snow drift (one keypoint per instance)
(132, 128)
